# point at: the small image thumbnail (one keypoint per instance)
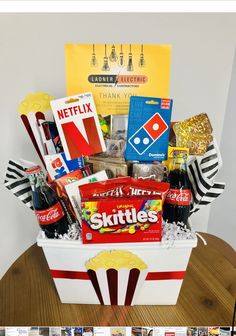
(88, 331)
(118, 331)
(33, 331)
(2, 331)
(214, 331)
(43, 331)
(192, 331)
(136, 331)
(11, 331)
(54, 331)
(202, 331)
(63, 331)
(78, 331)
(146, 331)
(225, 331)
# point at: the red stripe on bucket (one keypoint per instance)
(179, 275)
(69, 275)
(175, 275)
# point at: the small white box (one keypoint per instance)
(161, 286)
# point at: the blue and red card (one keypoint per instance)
(148, 129)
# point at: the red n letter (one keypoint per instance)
(77, 144)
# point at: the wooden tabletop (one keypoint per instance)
(28, 296)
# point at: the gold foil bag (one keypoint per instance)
(194, 133)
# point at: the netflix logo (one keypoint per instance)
(74, 110)
(78, 126)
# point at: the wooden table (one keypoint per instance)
(28, 296)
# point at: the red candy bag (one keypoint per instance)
(141, 188)
(112, 188)
(124, 187)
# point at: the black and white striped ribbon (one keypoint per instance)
(201, 174)
(216, 190)
(17, 182)
(211, 162)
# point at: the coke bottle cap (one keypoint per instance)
(33, 170)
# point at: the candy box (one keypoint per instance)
(59, 186)
(148, 129)
(123, 220)
(72, 189)
(123, 209)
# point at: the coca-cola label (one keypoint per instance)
(178, 196)
(51, 215)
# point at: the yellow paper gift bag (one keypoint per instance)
(114, 72)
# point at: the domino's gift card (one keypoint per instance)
(148, 128)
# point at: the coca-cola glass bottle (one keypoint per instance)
(178, 199)
(47, 206)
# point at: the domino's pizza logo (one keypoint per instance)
(148, 134)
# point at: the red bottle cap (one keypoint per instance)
(33, 170)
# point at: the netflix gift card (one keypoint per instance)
(78, 125)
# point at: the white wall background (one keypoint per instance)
(32, 59)
(222, 217)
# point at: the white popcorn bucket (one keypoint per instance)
(159, 285)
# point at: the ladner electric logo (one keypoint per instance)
(117, 79)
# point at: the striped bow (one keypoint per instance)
(18, 183)
(202, 173)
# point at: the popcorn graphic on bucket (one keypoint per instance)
(117, 276)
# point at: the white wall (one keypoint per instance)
(32, 59)
(222, 217)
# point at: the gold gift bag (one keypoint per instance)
(114, 72)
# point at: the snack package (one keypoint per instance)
(124, 187)
(110, 188)
(148, 171)
(114, 72)
(59, 186)
(194, 133)
(123, 220)
(57, 165)
(112, 168)
(148, 129)
(122, 210)
(78, 125)
(171, 152)
(72, 189)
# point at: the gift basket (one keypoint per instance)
(118, 181)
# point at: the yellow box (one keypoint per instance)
(171, 151)
(113, 73)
